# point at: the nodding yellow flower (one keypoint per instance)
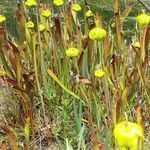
(72, 52)
(137, 45)
(29, 25)
(42, 28)
(76, 7)
(143, 20)
(97, 34)
(127, 135)
(58, 2)
(2, 19)
(99, 73)
(2, 73)
(31, 3)
(89, 13)
(46, 13)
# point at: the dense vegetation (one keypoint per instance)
(71, 73)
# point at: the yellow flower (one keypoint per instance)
(127, 134)
(2, 19)
(137, 45)
(42, 28)
(30, 25)
(72, 52)
(2, 73)
(143, 20)
(46, 13)
(97, 34)
(31, 3)
(89, 13)
(76, 7)
(58, 2)
(99, 73)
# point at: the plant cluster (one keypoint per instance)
(76, 82)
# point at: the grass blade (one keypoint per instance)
(50, 72)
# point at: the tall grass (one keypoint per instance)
(60, 103)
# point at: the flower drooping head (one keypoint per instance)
(127, 134)
(143, 20)
(72, 52)
(58, 2)
(2, 19)
(97, 34)
(31, 3)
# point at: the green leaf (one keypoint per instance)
(27, 129)
(60, 83)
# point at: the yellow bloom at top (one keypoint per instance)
(76, 7)
(99, 73)
(42, 28)
(46, 13)
(31, 3)
(2, 73)
(127, 135)
(72, 52)
(137, 45)
(97, 34)
(29, 25)
(2, 19)
(89, 13)
(58, 2)
(143, 20)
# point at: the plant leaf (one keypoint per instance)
(126, 12)
(10, 135)
(144, 43)
(60, 83)
(27, 129)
